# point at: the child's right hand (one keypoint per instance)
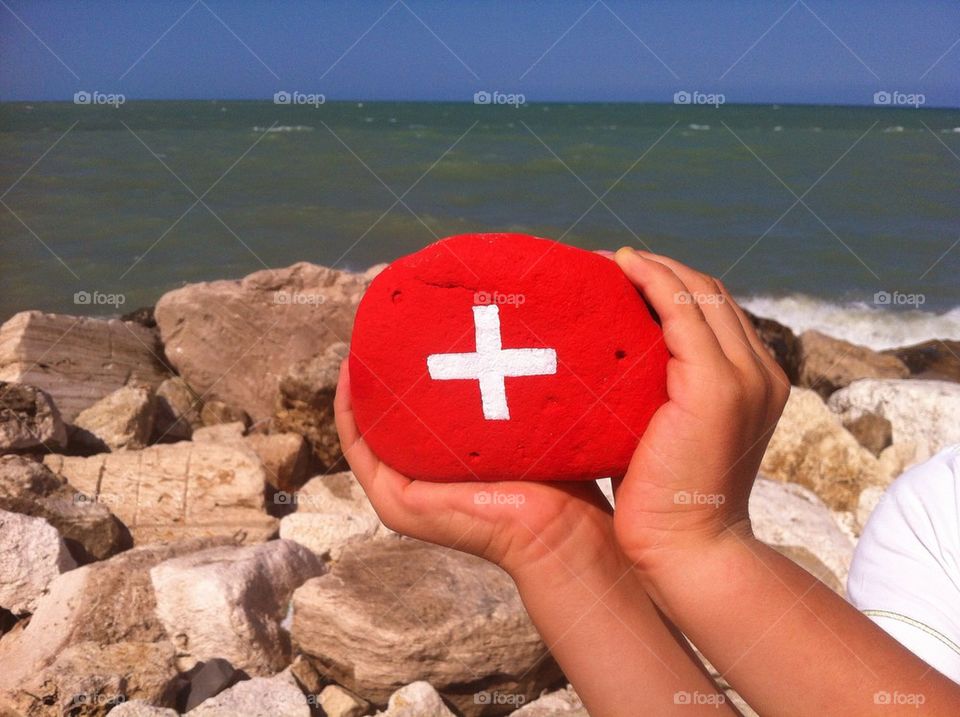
(691, 475)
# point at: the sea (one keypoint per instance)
(843, 219)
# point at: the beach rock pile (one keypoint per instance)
(179, 533)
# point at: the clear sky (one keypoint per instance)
(808, 51)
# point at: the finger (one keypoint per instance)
(604, 252)
(710, 295)
(686, 332)
(760, 348)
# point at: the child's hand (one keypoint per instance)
(518, 525)
(691, 475)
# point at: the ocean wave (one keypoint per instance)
(284, 128)
(699, 127)
(857, 322)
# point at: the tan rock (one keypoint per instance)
(122, 419)
(177, 411)
(77, 360)
(873, 432)
(338, 702)
(828, 364)
(897, 458)
(29, 419)
(439, 615)
(89, 680)
(229, 602)
(176, 490)
(32, 554)
(258, 327)
(810, 447)
(215, 411)
(417, 699)
(285, 456)
(141, 708)
(937, 360)
(305, 404)
(103, 603)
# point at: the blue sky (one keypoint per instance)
(806, 51)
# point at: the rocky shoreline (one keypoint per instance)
(179, 534)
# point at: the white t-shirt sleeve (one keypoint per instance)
(905, 573)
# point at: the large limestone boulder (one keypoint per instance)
(258, 326)
(794, 520)
(90, 680)
(925, 414)
(32, 554)
(439, 615)
(277, 696)
(103, 603)
(937, 359)
(78, 360)
(122, 419)
(828, 364)
(176, 490)
(332, 513)
(89, 530)
(305, 404)
(812, 448)
(229, 602)
(285, 456)
(29, 419)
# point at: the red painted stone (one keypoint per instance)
(420, 413)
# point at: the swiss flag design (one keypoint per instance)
(505, 357)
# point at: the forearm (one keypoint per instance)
(613, 644)
(786, 642)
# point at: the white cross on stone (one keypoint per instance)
(491, 363)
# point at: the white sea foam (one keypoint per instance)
(284, 128)
(860, 323)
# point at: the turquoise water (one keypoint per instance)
(286, 183)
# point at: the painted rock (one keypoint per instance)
(505, 357)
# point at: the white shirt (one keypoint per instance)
(906, 570)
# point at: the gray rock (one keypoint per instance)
(562, 703)
(29, 419)
(177, 411)
(442, 616)
(229, 602)
(205, 680)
